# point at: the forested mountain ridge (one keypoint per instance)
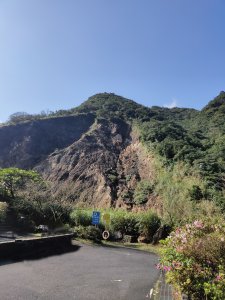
(111, 151)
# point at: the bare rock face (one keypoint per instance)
(133, 165)
(88, 160)
(84, 171)
(102, 168)
(25, 145)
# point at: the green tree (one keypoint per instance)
(12, 179)
(142, 192)
(3, 210)
(148, 224)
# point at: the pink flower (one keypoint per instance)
(198, 224)
(167, 268)
(176, 264)
(179, 249)
(218, 278)
(178, 231)
(158, 267)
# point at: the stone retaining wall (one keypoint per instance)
(22, 248)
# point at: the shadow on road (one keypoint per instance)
(43, 253)
(40, 253)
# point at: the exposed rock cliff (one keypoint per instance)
(27, 144)
(92, 154)
(90, 160)
(80, 171)
(100, 168)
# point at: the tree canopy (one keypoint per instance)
(12, 179)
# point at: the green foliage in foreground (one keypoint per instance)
(148, 223)
(88, 233)
(81, 217)
(30, 199)
(38, 205)
(194, 259)
(3, 211)
(127, 223)
(142, 223)
(124, 222)
(13, 179)
(51, 212)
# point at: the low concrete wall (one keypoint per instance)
(34, 247)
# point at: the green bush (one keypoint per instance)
(148, 224)
(28, 210)
(65, 228)
(57, 213)
(88, 233)
(52, 213)
(194, 259)
(128, 178)
(113, 178)
(3, 211)
(13, 179)
(195, 193)
(126, 223)
(143, 190)
(81, 217)
(219, 199)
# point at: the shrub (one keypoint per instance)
(219, 199)
(51, 212)
(128, 178)
(89, 233)
(36, 202)
(27, 210)
(3, 211)
(143, 190)
(195, 193)
(113, 178)
(126, 223)
(13, 179)
(65, 228)
(56, 212)
(148, 224)
(81, 217)
(194, 258)
(206, 209)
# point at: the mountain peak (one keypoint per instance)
(108, 97)
(216, 103)
(107, 104)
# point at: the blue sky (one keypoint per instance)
(54, 54)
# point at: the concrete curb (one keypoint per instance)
(161, 290)
(22, 248)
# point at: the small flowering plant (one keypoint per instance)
(193, 258)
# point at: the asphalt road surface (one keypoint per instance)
(90, 272)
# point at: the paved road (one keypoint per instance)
(91, 272)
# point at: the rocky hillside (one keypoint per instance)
(26, 144)
(110, 151)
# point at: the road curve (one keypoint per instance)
(91, 272)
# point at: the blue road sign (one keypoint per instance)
(96, 217)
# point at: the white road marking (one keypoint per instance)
(151, 292)
(117, 280)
